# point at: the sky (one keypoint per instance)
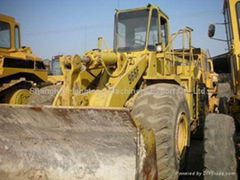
(52, 27)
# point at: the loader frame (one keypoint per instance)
(110, 71)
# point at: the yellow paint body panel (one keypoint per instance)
(55, 79)
(231, 5)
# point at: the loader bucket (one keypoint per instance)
(43, 143)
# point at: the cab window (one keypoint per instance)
(153, 34)
(4, 35)
(131, 30)
(164, 31)
(17, 38)
(228, 25)
(238, 14)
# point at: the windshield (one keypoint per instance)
(4, 35)
(228, 25)
(131, 29)
(238, 15)
(17, 38)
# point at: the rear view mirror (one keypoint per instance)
(211, 30)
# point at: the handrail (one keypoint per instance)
(186, 32)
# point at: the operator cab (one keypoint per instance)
(9, 33)
(140, 29)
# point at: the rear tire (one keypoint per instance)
(17, 93)
(163, 108)
(223, 105)
(219, 148)
(20, 96)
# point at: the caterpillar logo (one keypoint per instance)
(133, 75)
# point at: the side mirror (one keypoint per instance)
(211, 30)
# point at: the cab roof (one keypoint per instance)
(149, 6)
(7, 18)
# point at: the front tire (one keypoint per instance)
(163, 108)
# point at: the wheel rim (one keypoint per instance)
(20, 97)
(181, 135)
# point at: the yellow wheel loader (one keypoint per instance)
(208, 92)
(122, 113)
(19, 68)
(228, 67)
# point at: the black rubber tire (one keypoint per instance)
(203, 104)
(7, 94)
(219, 148)
(43, 96)
(223, 105)
(224, 77)
(158, 107)
(225, 90)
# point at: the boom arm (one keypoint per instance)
(117, 72)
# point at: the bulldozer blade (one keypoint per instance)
(43, 143)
